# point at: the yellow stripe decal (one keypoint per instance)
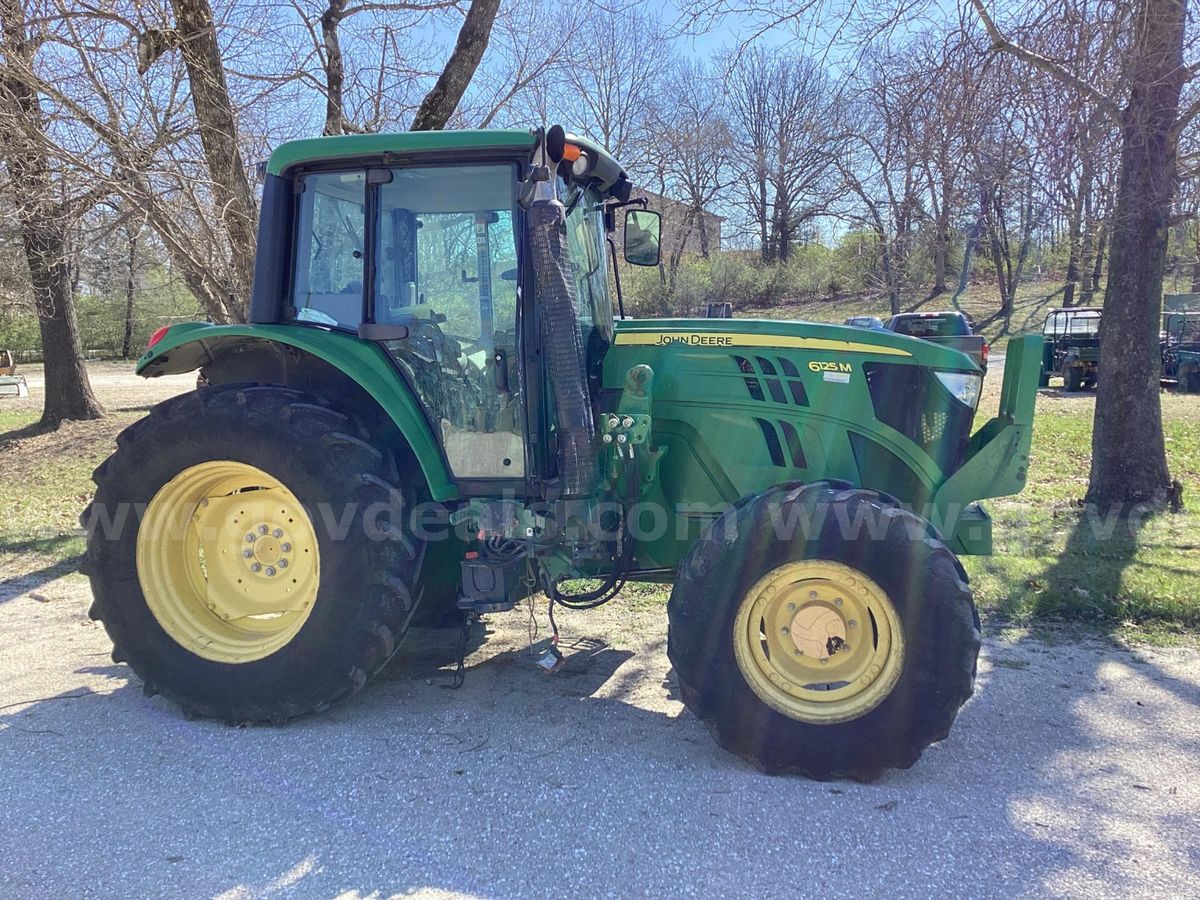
(729, 339)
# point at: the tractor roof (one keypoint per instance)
(352, 145)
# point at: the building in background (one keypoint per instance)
(686, 230)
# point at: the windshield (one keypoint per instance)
(1182, 327)
(931, 326)
(1076, 324)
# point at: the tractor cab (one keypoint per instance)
(429, 255)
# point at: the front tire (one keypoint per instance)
(248, 553)
(833, 651)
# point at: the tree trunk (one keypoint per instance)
(941, 240)
(232, 195)
(964, 273)
(1073, 235)
(1087, 260)
(1196, 264)
(335, 70)
(761, 212)
(130, 284)
(68, 391)
(1129, 461)
(1098, 267)
(44, 226)
(441, 101)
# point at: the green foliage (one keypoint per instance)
(1056, 560)
(741, 278)
(159, 299)
(19, 330)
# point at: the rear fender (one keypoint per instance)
(191, 346)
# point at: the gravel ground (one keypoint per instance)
(1073, 772)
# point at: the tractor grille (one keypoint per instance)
(786, 453)
(911, 400)
(776, 374)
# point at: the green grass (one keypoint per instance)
(46, 484)
(1054, 559)
(1034, 299)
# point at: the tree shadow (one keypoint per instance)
(931, 296)
(27, 431)
(1098, 550)
(23, 582)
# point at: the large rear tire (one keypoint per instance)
(834, 651)
(249, 554)
(1072, 379)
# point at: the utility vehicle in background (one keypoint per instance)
(12, 384)
(1071, 347)
(1180, 344)
(431, 409)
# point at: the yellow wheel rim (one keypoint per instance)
(228, 561)
(818, 641)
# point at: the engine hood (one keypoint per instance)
(731, 334)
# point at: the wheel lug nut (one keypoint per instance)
(837, 602)
(784, 629)
(277, 533)
(845, 648)
(262, 529)
(247, 553)
(282, 564)
(812, 595)
(285, 548)
(824, 660)
(270, 570)
(255, 567)
(853, 623)
(799, 652)
(791, 607)
(250, 538)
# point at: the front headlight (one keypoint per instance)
(963, 386)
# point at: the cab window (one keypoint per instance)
(445, 265)
(327, 282)
(587, 245)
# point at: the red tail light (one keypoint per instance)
(986, 351)
(157, 336)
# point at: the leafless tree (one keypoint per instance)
(46, 205)
(1129, 463)
(782, 109)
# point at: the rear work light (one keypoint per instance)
(157, 336)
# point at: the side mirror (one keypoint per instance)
(643, 231)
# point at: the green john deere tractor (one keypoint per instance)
(432, 411)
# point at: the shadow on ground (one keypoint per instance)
(1071, 771)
